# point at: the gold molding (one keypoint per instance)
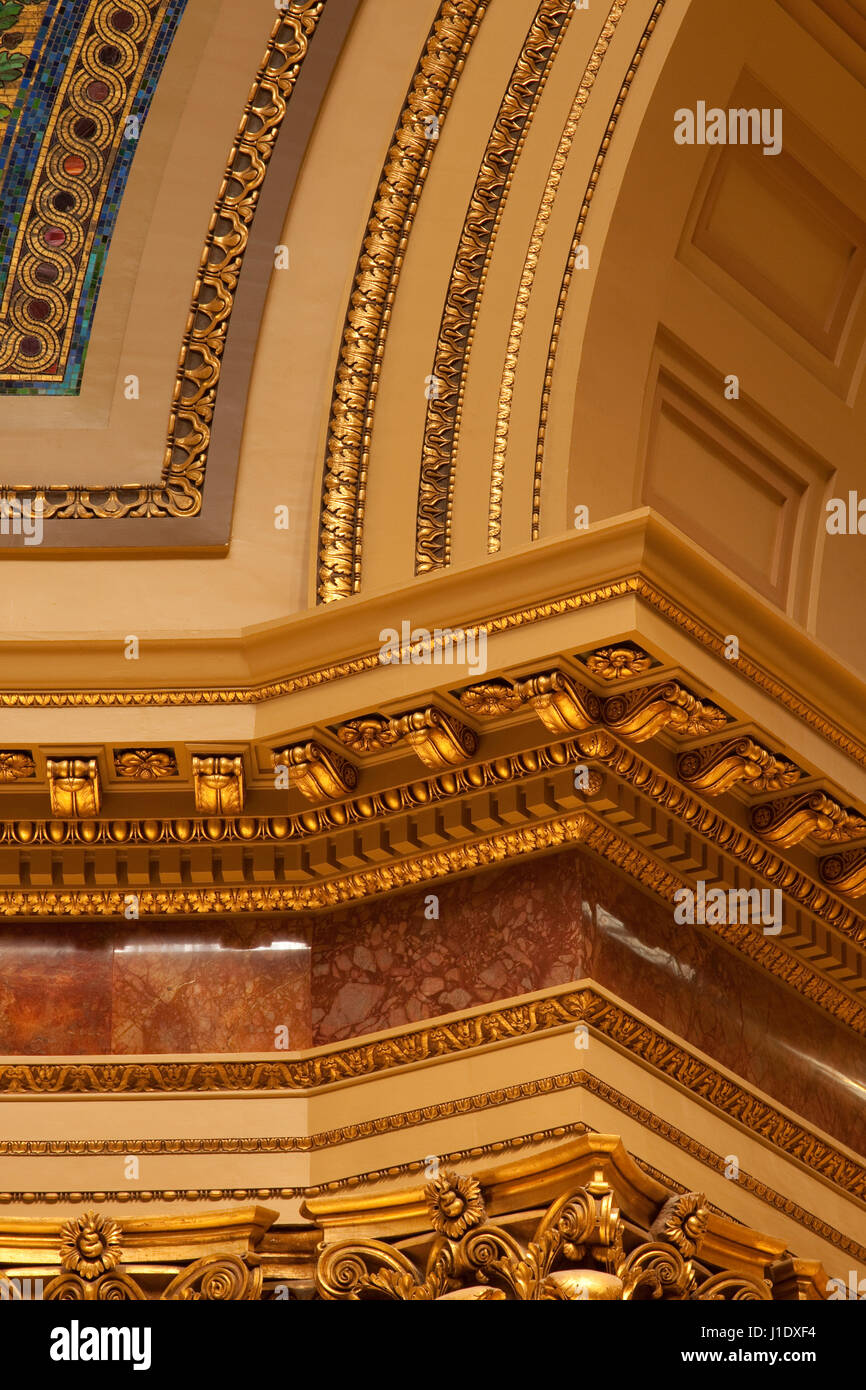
(634, 585)
(565, 286)
(452, 781)
(468, 275)
(557, 1012)
(530, 266)
(180, 489)
(365, 332)
(725, 834)
(412, 1119)
(490, 849)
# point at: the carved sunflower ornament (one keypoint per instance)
(455, 1204)
(90, 1245)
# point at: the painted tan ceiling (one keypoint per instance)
(636, 417)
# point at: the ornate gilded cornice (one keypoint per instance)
(568, 273)
(635, 585)
(530, 266)
(402, 873)
(378, 272)
(431, 1112)
(607, 1019)
(794, 970)
(468, 274)
(601, 746)
(549, 784)
(605, 1226)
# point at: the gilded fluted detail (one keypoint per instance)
(530, 266)
(75, 787)
(571, 261)
(391, 220)
(468, 275)
(219, 785)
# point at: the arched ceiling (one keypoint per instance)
(472, 285)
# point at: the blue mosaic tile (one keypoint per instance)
(19, 154)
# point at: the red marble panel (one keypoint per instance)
(55, 990)
(221, 987)
(497, 935)
(567, 916)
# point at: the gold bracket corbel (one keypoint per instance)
(74, 787)
(219, 785)
(318, 773)
(720, 766)
(788, 821)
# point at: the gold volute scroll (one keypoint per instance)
(720, 766)
(846, 872)
(561, 704)
(318, 773)
(641, 714)
(788, 821)
(439, 739)
(580, 1249)
(580, 1220)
